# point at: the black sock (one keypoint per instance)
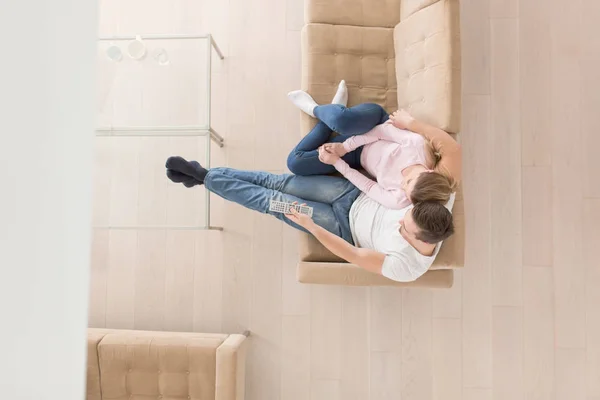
(189, 168)
(178, 177)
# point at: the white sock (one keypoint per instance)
(303, 101)
(341, 96)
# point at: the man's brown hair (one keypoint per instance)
(434, 221)
(432, 186)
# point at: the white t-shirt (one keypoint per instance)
(378, 228)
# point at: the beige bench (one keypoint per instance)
(125, 365)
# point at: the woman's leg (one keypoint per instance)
(351, 121)
(228, 184)
(304, 158)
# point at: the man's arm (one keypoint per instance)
(370, 260)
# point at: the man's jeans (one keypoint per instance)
(304, 158)
(330, 197)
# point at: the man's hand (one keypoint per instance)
(300, 219)
(402, 119)
(336, 148)
(327, 157)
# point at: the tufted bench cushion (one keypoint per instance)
(376, 13)
(427, 48)
(364, 57)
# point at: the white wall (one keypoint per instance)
(47, 60)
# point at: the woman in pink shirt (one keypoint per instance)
(411, 161)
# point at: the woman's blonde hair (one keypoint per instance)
(433, 186)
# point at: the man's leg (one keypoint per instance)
(322, 188)
(351, 121)
(304, 158)
(257, 197)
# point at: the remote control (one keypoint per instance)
(283, 207)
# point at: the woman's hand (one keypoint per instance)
(300, 219)
(336, 148)
(402, 119)
(327, 157)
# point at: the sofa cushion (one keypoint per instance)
(136, 365)
(379, 13)
(428, 64)
(364, 57)
(409, 7)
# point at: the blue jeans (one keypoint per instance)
(304, 158)
(330, 197)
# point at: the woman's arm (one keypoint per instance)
(386, 131)
(370, 260)
(388, 198)
(449, 150)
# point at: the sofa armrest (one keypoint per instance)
(345, 274)
(409, 7)
(231, 369)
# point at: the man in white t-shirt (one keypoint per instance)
(399, 244)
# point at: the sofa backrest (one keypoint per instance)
(372, 13)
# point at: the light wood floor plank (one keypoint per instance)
(354, 360)
(325, 332)
(476, 277)
(295, 295)
(535, 69)
(538, 333)
(98, 277)
(386, 370)
(208, 283)
(150, 274)
(475, 38)
(569, 278)
(295, 357)
(504, 8)
(537, 216)
(179, 281)
(124, 177)
(417, 365)
(448, 303)
(505, 163)
(385, 319)
(121, 278)
(508, 353)
(477, 394)
(264, 376)
(322, 389)
(570, 374)
(591, 238)
(447, 359)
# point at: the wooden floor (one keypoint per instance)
(523, 319)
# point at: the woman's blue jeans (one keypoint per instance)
(304, 158)
(330, 197)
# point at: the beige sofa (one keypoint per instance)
(399, 54)
(124, 365)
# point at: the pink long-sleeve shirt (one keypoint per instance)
(387, 152)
